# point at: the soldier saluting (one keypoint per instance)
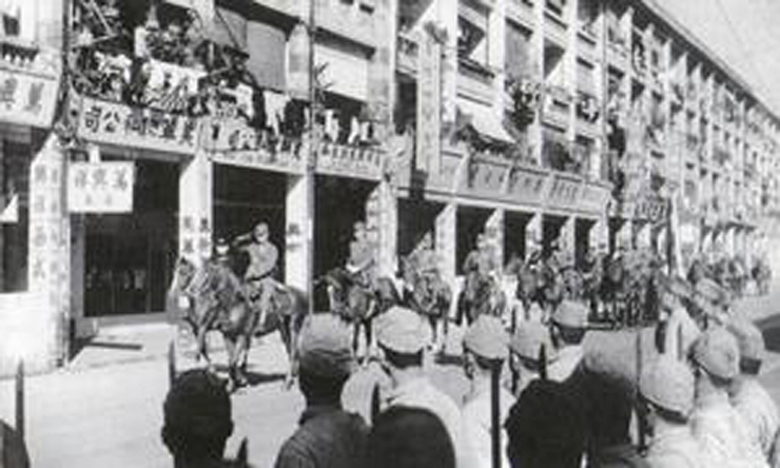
(263, 257)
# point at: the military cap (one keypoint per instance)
(678, 287)
(487, 338)
(710, 290)
(570, 314)
(717, 352)
(529, 338)
(324, 347)
(402, 330)
(669, 384)
(749, 338)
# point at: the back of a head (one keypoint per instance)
(198, 417)
(546, 429)
(405, 437)
(609, 411)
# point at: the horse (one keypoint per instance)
(481, 294)
(356, 304)
(217, 300)
(429, 296)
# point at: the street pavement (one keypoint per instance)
(98, 412)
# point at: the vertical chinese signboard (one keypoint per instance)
(27, 99)
(121, 125)
(429, 105)
(103, 187)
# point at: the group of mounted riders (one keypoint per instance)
(236, 291)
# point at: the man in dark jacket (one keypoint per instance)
(328, 436)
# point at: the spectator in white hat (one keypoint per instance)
(717, 426)
(748, 395)
(667, 388)
(402, 336)
(525, 347)
(485, 346)
(569, 322)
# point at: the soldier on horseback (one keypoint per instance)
(481, 278)
(360, 264)
(422, 268)
(259, 275)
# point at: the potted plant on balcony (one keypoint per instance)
(526, 96)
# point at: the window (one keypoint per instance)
(586, 78)
(587, 14)
(556, 6)
(472, 39)
(517, 51)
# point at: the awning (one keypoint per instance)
(347, 69)
(485, 121)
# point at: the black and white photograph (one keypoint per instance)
(389, 233)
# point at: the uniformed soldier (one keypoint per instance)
(667, 388)
(423, 262)
(481, 261)
(525, 346)
(485, 346)
(327, 435)
(402, 335)
(568, 326)
(360, 263)
(259, 274)
(717, 426)
(198, 420)
(748, 395)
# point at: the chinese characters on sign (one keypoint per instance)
(105, 187)
(112, 123)
(652, 209)
(429, 105)
(27, 99)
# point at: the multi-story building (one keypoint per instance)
(571, 122)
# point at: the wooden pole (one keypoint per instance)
(171, 364)
(543, 362)
(495, 414)
(20, 399)
(376, 405)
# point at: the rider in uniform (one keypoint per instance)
(263, 258)
(480, 265)
(424, 263)
(360, 264)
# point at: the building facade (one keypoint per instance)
(166, 125)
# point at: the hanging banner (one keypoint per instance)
(121, 125)
(27, 99)
(103, 187)
(429, 105)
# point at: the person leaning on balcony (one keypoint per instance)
(259, 275)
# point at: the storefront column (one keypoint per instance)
(49, 258)
(195, 208)
(566, 240)
(382, 218)
(446, 241)
(494, 227)
(298, 230)
(599, 236)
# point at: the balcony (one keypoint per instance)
(557, 106)
(521, 11)
(407, 54)
(556, 27)
(475, 81)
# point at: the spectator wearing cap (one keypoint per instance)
(525, 347)
(569, 323)
(402, 335)
(667, 389)
(712, 300)
(198, 420)
(327, 435)
(485, 346)
(716, 424)
(405, 437)
(545, 428)
(748, 395)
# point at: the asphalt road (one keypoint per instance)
(111, 415)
